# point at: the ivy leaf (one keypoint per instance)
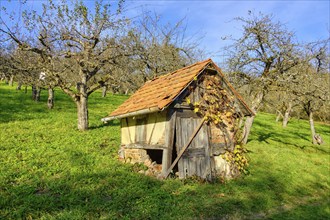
(196, 104)
(229, 114)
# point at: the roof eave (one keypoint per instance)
(132, 114)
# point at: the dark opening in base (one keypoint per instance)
(155, 155)
(174, 155)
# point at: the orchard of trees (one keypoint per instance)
(277, 73)
(80, 50)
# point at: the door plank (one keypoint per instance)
(184, 148)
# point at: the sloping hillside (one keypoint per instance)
(50, 170)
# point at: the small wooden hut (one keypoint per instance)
(157, 122)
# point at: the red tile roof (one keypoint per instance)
(162, 91)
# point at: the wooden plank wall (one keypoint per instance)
(210, 142)
(196, 159)
(169, 140)
(145, 130)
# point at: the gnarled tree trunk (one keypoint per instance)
(249, 119)
(311, 123)
(36, 93)
(11, 80)
(279, 115)
(19, 85)
(287, 115)
(50, 100)
(104, 91)
(82, 113)
(247, 128)
(82, 103)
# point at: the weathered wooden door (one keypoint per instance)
(196, 158)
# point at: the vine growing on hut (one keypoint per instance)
(217, 106)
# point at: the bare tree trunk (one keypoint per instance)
(287, 115)
(247, 128)
(82, 110)
(38, 94)
(104, 91)
(11, 80)
(249, 120)
(279, 115)
(82, 103)
(34, 92)
(50, 100)
(311, 123)
(25, 90)
(19, 85)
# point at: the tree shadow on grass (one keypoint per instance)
(285, 138)
(263, 137)
(15, 112)
(313, 210)
(83, 196)
(120, 193)
(266, 136)
(108, 124)
(256, 197)
(20, 106)
(301, 136)
(313, 147)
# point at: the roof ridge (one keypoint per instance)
(187, 67)
(181, 69)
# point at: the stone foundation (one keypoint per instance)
(135, 155)
(224, 169)
(141, 156)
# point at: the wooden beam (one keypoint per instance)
(182, 106)
(169, 141)
(185, 113)
(128, 131)
(144, 146)
(211, 70)
(153, 128)
(183, 149)
(141, 130)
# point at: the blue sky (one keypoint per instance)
(214, 19)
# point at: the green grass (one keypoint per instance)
(49, 170)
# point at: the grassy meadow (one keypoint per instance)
(50, 170)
